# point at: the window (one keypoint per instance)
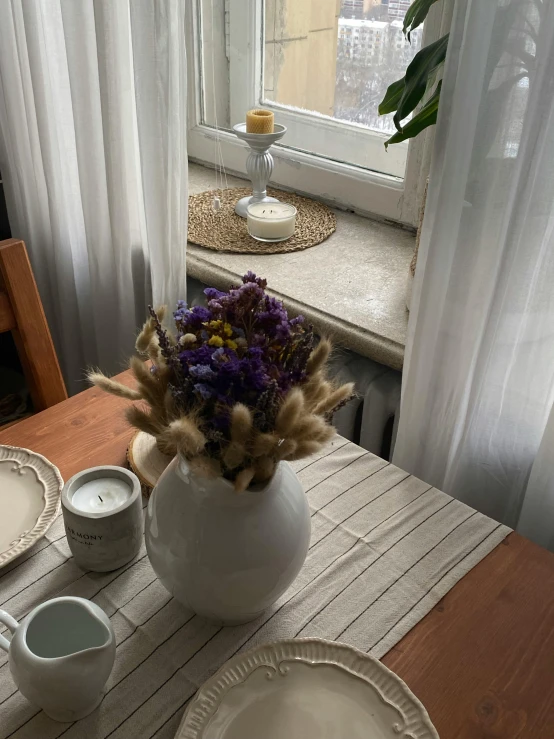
(323, 70)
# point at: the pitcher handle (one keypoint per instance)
(12, 625)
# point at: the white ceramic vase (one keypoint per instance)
(227, 556)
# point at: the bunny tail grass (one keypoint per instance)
(111, 386)
(243, 479)
(290, 412)
(318, 357)
(185, 435)
(241, 423)
(205, 467)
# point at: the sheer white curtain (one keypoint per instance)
(478, 387)
(93, 158)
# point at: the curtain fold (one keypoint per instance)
(478, 386)
(93, 158)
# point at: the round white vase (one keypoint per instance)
(227, 556)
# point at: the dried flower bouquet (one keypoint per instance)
(239, 388)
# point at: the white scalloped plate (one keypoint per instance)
(30, 488)
(305, 689)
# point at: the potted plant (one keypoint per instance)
(235, 394)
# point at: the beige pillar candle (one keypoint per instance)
(259, 121)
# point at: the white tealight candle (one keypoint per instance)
(102, 511)
(271, 221)
(103, 494)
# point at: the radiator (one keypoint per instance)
(371, 418)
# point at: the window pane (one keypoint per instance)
(336, 58)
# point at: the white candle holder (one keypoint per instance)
(259, 164)
(103, 539)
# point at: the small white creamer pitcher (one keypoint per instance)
(61, 656)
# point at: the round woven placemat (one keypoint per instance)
(223, 230)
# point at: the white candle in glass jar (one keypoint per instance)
(101, 495)
(271, 221)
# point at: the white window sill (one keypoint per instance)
(352, 287)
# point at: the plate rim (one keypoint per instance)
(50, 478)
(392, 690)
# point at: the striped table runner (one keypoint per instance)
(385, 548)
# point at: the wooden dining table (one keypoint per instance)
(481, 661)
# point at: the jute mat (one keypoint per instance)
(223, 230)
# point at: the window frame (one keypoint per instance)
(343, 185)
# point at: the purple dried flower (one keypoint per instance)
(205, 391)
(202, 372)
(247, 350)
(212, 294)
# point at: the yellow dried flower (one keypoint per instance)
(215, 341)
(227, 329)
(231, 344)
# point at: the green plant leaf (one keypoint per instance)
(417, 75)
(426, 117)
(392, 97)
(416, 14)
(433, 74)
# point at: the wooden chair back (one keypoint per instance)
(21, 312)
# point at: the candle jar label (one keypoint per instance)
(89, 539)
(104, 544)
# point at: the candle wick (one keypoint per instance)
(101, 499)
